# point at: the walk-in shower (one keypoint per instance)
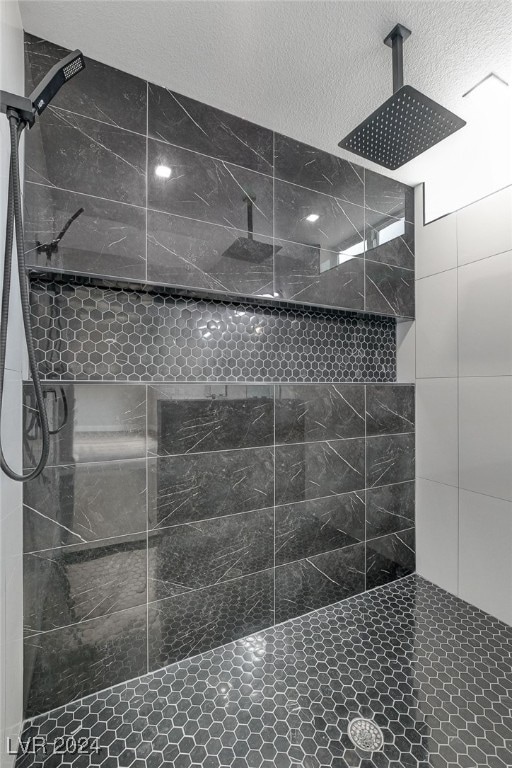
(277, 401)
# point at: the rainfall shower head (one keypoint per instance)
(406, 125)
(59, 74)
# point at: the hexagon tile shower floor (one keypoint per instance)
(434, 673)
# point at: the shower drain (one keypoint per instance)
(365, 734)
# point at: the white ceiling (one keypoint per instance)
(312, 69)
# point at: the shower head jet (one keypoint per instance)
(28, 108)
(59, 74)
(406, 125)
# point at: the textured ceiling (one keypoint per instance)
(312, 70)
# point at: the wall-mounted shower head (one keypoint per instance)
(59, 74)
(406, 125)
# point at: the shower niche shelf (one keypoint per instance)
(52, 274)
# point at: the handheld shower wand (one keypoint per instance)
(22, 112)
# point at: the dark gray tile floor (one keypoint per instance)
(434, 673)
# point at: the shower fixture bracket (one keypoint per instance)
(21, 105)
(395, 41)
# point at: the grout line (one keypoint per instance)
(278, 445)
(158, 384)
(313, 555)
(458, 403)
(148, 209)
(146, 462)
(85, 194)
(365, 484)
(96, 120)
(156, 529)
(364, 252)
(412, 577)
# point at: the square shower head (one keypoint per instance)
(405, 126)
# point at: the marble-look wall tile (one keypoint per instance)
(79, 503)
(191, 623)
(72, 662)
(309, 274)
(311, 167)
(389, 558)
(202, 188)
(194, 254)
(311, 412)
(186, 488)
(389, 240)
(196, 418)
(188, 557)
(389, 409)
(93, 422)
(389, 290)
(305, 585)
(69, 585)
(73, 152)
(389, 509)
(386, 195)
(339, 226)
(311, 527)
(314, 470)
(188, 123)
(106, 238)
(389, 459)
(101, 92)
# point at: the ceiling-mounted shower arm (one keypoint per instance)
(395, 41)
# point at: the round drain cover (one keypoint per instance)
(365, 734)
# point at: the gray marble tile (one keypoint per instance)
(99, 91)
(320, 525)
(389, 290)
(188, 123)
(389, 240)
(200, 486)
(186, 252)
(309, 274)
(79, 503)
(106, 238)
(389, 558)
(308, 584)
(389, 196)
(72, 662)
(311, 167)
(389, 509)
(76, 153)
(187, 557)
(205, 189)
(389, 409)
(389, 459)
(198, 621)
(93, 422)
(308, 412)
(338, 228)
(195, 418)
(314, 470)
(72, 584)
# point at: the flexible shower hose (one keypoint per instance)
(15, 226)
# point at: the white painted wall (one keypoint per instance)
(11, 586)
(464, 401)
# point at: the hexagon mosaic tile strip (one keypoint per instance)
(88, 332)
(433, 672)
